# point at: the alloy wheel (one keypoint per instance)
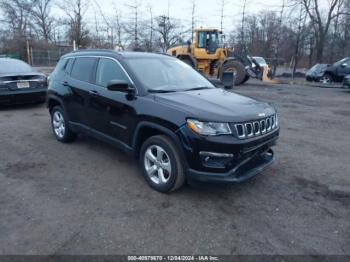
(325, 80)
(157, 164)
(58, 124)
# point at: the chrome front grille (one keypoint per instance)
(256, 128)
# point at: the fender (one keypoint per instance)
(56, 98)
(59, 100)
(154, 126)
(164, 130)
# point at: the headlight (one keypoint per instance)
(208, 128)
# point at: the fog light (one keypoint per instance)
(215, 160)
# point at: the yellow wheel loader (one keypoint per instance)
(209, 57)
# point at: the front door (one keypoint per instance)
(111, 111)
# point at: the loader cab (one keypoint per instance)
(208, 40)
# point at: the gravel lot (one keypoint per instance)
(89, 198)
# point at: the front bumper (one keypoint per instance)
(22, 96)
(244, 158)
(245, 170)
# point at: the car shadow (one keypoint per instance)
(190, 187)
(21, 106)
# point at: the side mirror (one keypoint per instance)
(344, 65)
(120, 86)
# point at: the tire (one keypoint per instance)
(238, 70)
(162, 149)
(60, 127)
(326, 79)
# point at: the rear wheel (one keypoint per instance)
(237, 69)
(326, 79)
(161, 164)
(60, 126)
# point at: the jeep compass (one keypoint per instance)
(172, 119)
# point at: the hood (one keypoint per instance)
(216, 105)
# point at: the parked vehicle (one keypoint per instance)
(346, 81)
(336, 72)
(164, 112)
(260, 60)
(20, 83)
(316, 72)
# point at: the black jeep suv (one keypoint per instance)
(168, 115)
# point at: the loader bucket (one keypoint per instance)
(267, 79)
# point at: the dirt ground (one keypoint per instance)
(89, 198)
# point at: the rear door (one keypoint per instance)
(80, 82)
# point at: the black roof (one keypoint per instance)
(108, 52)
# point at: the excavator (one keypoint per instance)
(215, 61)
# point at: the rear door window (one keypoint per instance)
(83, 68)
(107, 70)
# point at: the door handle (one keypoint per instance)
(65, 83)
(93, 93)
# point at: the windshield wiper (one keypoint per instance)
(198, 88)
(160, 91)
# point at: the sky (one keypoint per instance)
(207, 11)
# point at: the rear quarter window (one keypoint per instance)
(83, 68)
(69, 65)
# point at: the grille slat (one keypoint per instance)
(256, 128)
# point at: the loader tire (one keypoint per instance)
(247, 77)
(188, 61)
(237, 68)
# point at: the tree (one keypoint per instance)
(75, 10)
(322, 23)
(119, 30)
(40, 14)
(133, 27)
(301, 27)
(17, 31)
(167, 31)
(16, 16)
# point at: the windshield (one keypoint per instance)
(344, 60)
(208, 40)
(167, 74)
(9, 66)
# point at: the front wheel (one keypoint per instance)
(161, 164)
